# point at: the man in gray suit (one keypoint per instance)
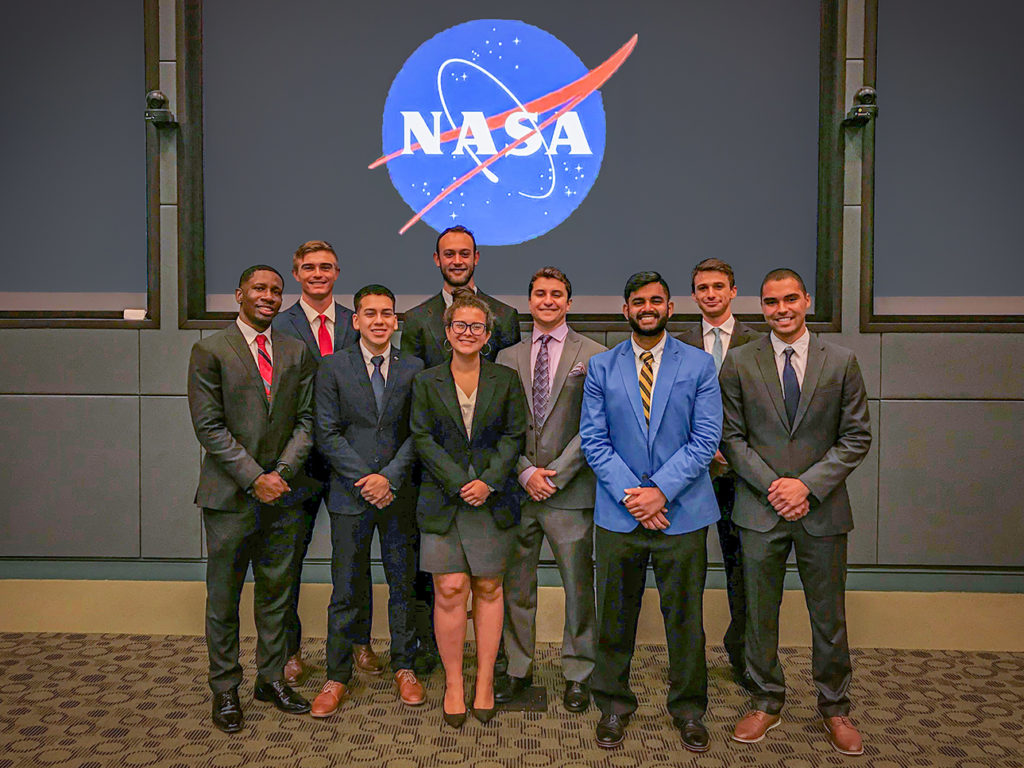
(795, 425)
(713, 287)
(552, 366)
(250, 393)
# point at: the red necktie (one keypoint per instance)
(265, 364)
(323, 338)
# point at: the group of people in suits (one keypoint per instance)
(469, 446)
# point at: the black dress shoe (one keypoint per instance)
(426, 660)
(576, 697)
(695, 735)
(282, 697)
(611, 730)
(227, 712)
(507, 687)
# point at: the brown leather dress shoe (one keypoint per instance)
(843, 736)
(329, 699)
(410, 690)
(366, 660)
(294, 670)
(754, 725)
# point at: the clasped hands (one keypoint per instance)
(269, 487)
(648, 506)
(376, 489)
(789, 498)
(474, 493)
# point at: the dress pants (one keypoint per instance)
(729, 540)
(821, 561)
(310, 510)
(348, 620)
(570, 533)
(680, 567)
(268, 538)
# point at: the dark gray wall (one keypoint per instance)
(100, 462)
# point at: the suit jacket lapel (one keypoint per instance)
(389, 385)
(815, 365)
(667, 371)
(435, 324)
(445, 383)
(627, 370)
(301, 326)
(484, 395)
(523, 350)
(237, 342)
(570, 349)
(770, 373)
(362, 379)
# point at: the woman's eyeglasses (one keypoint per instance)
(477, 329)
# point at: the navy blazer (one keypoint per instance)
(354, 438)
(294, 322)
(439, 434)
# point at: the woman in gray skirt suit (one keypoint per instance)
(468, 424)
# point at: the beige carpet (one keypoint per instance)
(91, 701)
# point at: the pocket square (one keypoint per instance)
(578, 370)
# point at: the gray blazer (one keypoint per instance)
(741, 334)
(243, 434)
(830, 436)
(556, 444)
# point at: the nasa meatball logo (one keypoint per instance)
(497, 125)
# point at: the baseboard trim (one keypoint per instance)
(889, 619)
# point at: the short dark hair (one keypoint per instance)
(553, 273)
(640, 279)
(373, 289)
(312, 246)
(783, 273)
(711, 265)
(250, 271)
(465, 298)
(456, 228)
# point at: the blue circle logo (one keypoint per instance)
(496, 125)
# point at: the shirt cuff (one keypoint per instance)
(525, 475)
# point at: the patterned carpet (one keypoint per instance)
(91, 701)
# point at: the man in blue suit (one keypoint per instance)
(651, 422)
(326, 327)
(363, 396)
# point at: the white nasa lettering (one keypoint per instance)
(569, 131)
(415, 125)
(475, 136)
(474, 133)
(516, 130)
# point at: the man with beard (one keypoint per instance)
(456, 255)
(651, 422)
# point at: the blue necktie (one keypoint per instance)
(790, 386)
(716, 349)
(377, 380)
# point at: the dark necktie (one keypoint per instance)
(377, 380)
(266, 366)
(790, 386)
(541, 381)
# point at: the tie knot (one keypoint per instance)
(647, 357)
(788, 352)
(261, 342)
(544, 339)
(377, 361)
(717, 332)
(322, 319)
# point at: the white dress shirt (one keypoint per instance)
(799, 358)
(656, 350)
(250, 335)
(368, 360)
(725, 328)
(314, 323)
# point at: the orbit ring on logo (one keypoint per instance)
(498, 125)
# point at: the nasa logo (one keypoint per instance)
(497, 125)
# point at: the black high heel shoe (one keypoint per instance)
(484, 715)
(455, 720)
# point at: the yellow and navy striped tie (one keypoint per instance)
(646, 382)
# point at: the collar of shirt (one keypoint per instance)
(709, 337)
(558, 334)
(312, 314)
(368, 359)
(250, 335)
(799, 359)
(448, 297)
(656, 350)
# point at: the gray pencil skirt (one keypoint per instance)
(474, 544)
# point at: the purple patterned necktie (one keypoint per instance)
(541, 381)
